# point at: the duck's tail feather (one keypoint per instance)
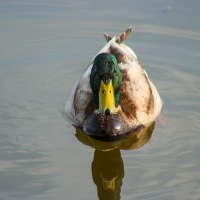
(107, 37)
(121, 37)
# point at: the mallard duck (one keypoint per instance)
(114, 95)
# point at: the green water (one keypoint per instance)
(45, 47)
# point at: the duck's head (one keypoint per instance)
(105, 81)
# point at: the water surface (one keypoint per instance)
(45, 47)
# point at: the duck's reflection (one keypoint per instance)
(107, 173)
(107, 165)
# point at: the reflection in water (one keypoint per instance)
(132, 141)
(107, 173)
(107, 165)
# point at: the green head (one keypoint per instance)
(105, 81)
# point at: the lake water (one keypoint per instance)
(45, 47)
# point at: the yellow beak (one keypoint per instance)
(106, 98)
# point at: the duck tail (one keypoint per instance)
(121, 37)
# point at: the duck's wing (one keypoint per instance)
(80, 98)
(136, 98)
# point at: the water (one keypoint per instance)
(45, 46)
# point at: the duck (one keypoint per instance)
(114, 96)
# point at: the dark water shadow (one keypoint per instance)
(107, 165)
